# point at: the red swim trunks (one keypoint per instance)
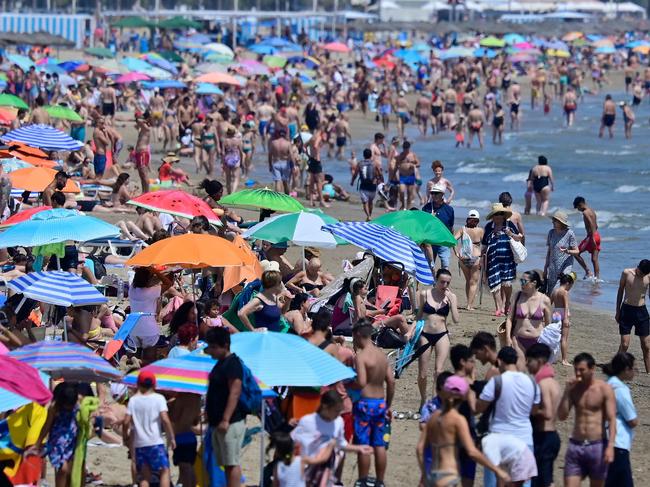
(142, 158)
(588, 246)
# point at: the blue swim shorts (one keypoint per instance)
(370, 422)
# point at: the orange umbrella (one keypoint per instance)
(26, 149)
(191, 251)
(218, 78)
(36, 179)
(37, 161)
(251, 270)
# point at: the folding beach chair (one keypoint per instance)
(122, 334)
(113, 245)
(410, 352)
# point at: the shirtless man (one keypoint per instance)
(631, 310)
(294, 118)
(570, 104)
(439, 180)
(280, 161)
(157, 109)
(315, 169)
(588, 452)
(407, 164)
(545, 437)
(146, 224)
(343, 135)
(475, 122)
(108, 98)
(423, 112)
(608, 118)
(186, 115)
(373, 409)
(450, 106)
(185, 415)
(514, 99)
(102, 140)
(143, 151)
(39, 115)
(265, 113)
(591, 242)
(403, 110)
(58, 184)
(484, 348)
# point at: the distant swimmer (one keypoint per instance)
(570, 103)
(542, 183)
(475, 121)
(608, 118)
(591, 242)
(628, 118)
(514, 99)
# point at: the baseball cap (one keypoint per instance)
(437, 188)
(146, 378)
(473, 214)
(456, 385)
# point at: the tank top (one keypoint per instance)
(145, 300)
(268, 317)
(290, 475)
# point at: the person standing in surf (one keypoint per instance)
(542, 182)
(591, 243)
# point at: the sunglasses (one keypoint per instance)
(523, 281)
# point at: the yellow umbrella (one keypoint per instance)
(558, 53)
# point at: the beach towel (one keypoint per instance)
(24, 426)
(86, 408)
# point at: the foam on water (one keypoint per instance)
(518, 176)
(475, 168)
(628, 188)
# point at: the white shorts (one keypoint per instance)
(367, 196)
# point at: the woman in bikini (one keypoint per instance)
(531, 312)
(560, 302)
(434, 306)
(445, 431)
(541, 178)
(120, 194)
(309, 281)
(469, 254)
(232, 160)
(208, 146)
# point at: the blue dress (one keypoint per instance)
(62, 439)
(501, 266)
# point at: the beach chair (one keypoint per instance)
(405, 356)
(122, 334)
(113, 245)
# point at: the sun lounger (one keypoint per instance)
(113, 244)
(122, 334)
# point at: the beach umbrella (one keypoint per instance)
(216, 57)
(36, 179)
(484, 52)
(171, 56)
(218, 78)
(492, 41)
(302, 228)
(642, 49)
(133, 22)
(69, 361)
(558, 45)
(34, 161)
(605, 50)
(23, 215)
(572, 36)
(387, 244)
(262, 199)
(56, 226)
(51, 69)
(175, 202)
(7, 115)
(164, 84)
(513, 38)
(212, 67)
(456, 52)
(13, 164)
(135, 64)
(419, 226)
(43, 136)
(558, 53)
(275, 61)
(251, 270)
(603, 43)
(262, 49)
(336, 47)
(522, 57)
(208, 89)
(21, 384)
(132, 77)
(308, 61)
(252, 67)
(60, 288)
(160, 62)
(188, 374)
(178, 22)
(71, 65)
(524, 46)
(23, 62)
(220, 49)
(190, 251)
(64, 113)
(8, 100)
(101, 52)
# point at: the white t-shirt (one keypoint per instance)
(145, 410)
(512, 410)
(313, 433)
(502, 449)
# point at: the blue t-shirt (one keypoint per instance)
(445, 214)
(625, 411)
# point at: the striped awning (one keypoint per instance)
(387, 244)
(43, 136)
(60, 288)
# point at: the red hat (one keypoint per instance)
(146, 378)
(201, 116)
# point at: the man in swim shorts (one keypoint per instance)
(280, 165)
(372, 410)
(631, 311)
(608, 118)
(591, 242)
(407, 164)
(589, 451)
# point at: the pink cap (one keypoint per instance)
(456, 385)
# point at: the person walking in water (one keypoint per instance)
(608, 118)
(542, 183)
(591, 243)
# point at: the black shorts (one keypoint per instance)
(314, 166)
(450, 107)
(608, 119)
(185, 452)
(634, 317)
(340, 141)
(546, 449)
(514, 108)
(108, 109)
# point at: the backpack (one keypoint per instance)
(483, 425)
(250, 400)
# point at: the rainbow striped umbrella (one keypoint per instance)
(69, 361)
(184, 374)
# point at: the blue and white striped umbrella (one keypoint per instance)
(387, 244)
(44, 137)
(60, 288)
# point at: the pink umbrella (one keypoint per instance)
(336, 47)
(524, 45)
(132, 77)
(252, 67)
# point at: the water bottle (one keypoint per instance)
(120, 289)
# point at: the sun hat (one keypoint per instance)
(456, 385)
(473, 214)
(171, 157)
(498, 208)
(270, 265)
(438, 188)
(146, 378)
(561, 217)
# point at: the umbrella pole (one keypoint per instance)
(480, 287)
(262, 443)
(20, 305)
(196, 314)
(303, 259)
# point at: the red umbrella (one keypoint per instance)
(336, 47)
(132, 77)
(176, 202)
(23, 216)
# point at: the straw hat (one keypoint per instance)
(498, 208)
(561, 217)
(171, 157)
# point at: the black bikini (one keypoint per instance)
(434, 338)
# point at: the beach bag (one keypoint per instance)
(551, 336)
(466, 251)
(519, 252)
(483, 424)
(386, 337)
(366, 174)
(250, 400)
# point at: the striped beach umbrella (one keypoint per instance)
(387, 244)
(60, 288)
(43, 136)
(69, 361)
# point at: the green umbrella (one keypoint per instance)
(64, 113)
(133, 22)
(302, 228)
(171, 56)
(262, 199)
(179, 23)
(7, 100)
(492, 41)
(419, 226)
(99, 52)
(275, 61)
